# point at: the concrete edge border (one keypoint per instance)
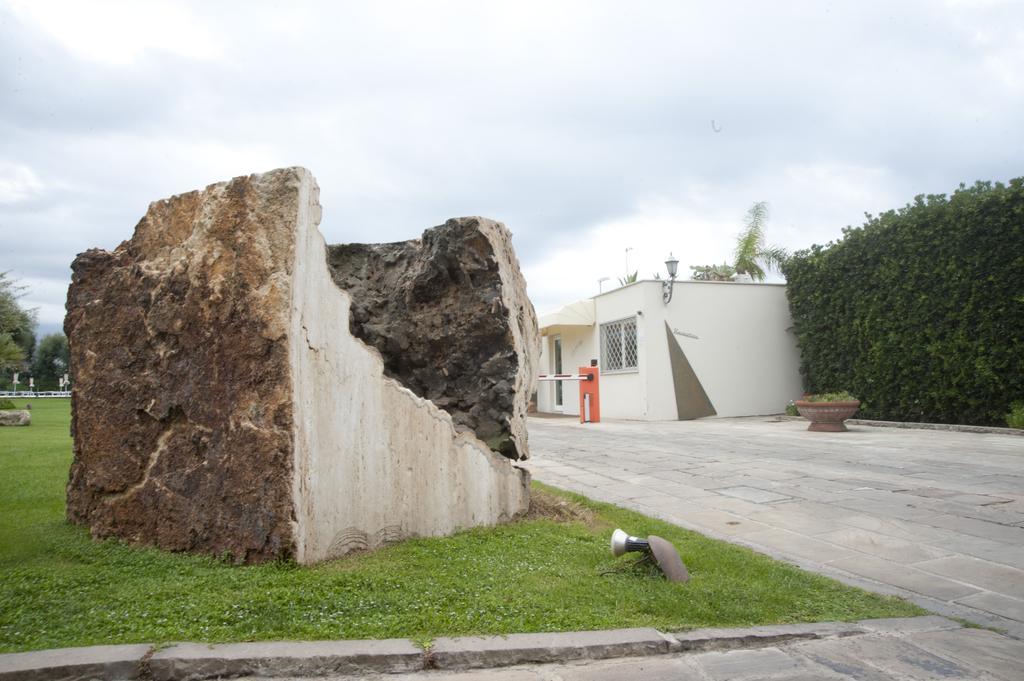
(954, 427)
(992, 430)
(702, 640)
(475, 652)
(197, 661)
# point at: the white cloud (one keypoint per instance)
(120, 31)
(18, 183)
(652, 232)
(809, 203)
(585, 126)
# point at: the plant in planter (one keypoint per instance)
(827, 411)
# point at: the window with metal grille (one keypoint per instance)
(618, 345)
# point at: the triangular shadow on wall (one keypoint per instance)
(691, 400)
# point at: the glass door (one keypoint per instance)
(556, 354)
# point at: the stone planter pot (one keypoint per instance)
(827, 417)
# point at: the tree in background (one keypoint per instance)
(17, 327)
(629, 278)
(723, 272)
(11, 355)
(920, 312)
(51, 361)
(750, 254)
(752, 251)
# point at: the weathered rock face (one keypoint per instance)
(15, 417)
(446, 323)
(223, 406)
(182, 411)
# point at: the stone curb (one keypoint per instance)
(701, 640)
(910, 625)
(193, 661)
(196, 661)
(954, 427)
(937, 426)
(72, 664)
(474, 652)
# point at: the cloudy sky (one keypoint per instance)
(587, 127)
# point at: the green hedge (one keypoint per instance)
(920, 312)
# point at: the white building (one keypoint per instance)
(715, 349)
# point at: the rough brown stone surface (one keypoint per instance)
(433, 308)
(182, 411)
(223, 405)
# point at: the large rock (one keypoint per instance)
(449, 315)
(15, 417)
(222, 404)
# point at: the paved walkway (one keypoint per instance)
(929, 647)
(935, 516)
(914, 649)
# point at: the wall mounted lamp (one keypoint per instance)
(666, 286)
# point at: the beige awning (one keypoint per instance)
(580, 313)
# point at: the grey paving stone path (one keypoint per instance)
(883, 650)
(928, 647)
(935, 516)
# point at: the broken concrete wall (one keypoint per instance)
(222, 404)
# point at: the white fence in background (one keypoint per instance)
(31, 393)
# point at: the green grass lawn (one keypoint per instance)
(60, 588)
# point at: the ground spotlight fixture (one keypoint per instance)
(624, 543)
(664, 554)
(666, 286)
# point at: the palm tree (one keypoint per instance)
(751, 250)
(629, 278)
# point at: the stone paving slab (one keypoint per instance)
(979, 528)
(494, 651)
(795, 518)
(889, 548)
(998, 604)
(992, 576)
(739, 507)
(723, 522)
(905, 577)
(72, 664)
(753, 494)
(883, 658)
(799, 545)
(728, 639)
(909, 625)
(985, 650)
(188, 661)
(643, 669)
(900, 529)
(739, 664)
(987, 549)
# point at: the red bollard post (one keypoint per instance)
(590, 399)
